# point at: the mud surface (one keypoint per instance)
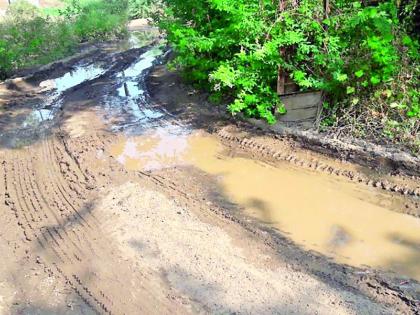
(335, 220)
(121, 196)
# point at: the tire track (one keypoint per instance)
(86, 291)
(44, 207)
(265, 151)
(75, 250)
(54, 247)
(56, 178)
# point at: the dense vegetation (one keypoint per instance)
(29, 37)
(361, 55)
(142, 8)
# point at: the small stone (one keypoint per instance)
(386, 185)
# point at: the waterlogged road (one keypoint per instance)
(120, 195)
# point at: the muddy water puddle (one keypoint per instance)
(28, 124)
(342, 220)
(35, 120)
(128, 108)
(137, 38)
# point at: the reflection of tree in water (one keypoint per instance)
(37, 117)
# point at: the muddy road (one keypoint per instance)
(123, 192)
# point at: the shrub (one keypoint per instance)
(142, 8)
(97, 19)
(30, 37)
(235, 47)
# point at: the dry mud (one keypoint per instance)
(88, 227)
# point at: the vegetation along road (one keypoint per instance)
(126, 187)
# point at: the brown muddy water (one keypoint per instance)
(342, 220)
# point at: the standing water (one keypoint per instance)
(336, 218)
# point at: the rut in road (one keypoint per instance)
(46, 191)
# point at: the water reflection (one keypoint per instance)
(160, 148)
(129, 109)
(36, 117)
(139, 39)
(130, 89)
(47, 110)
(145, 61)
(77, 76)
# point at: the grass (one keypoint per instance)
(30, 36)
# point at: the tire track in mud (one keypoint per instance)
(62, 237)
(265, 151)
(54, 247)
(77, 230)
(11, 185)
(55, 176)
(58, 250)
(57, 220)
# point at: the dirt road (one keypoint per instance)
(118, 195)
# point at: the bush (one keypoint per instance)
(98, 19)
(235, 47)
(28, 37)
(142, 8)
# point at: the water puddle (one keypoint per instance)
(36, 117)
(130, 105)
(56, 87)
(35, 121)
(139, 39)
(76, 77)
(129, 95)
(160, 148)
(350, 223)
(145, 61)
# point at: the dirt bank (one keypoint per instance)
(97, 231)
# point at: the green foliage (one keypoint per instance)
(27, 37)
(100, 19)
(232, 48)
(30, 37)
(142, 8)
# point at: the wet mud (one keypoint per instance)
(122, 193)
(319, 212)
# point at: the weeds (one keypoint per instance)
(30, 37)
(360, 53)
(142, 8)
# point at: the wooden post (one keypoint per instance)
(326, 8)
(281, 75)
(281, 78)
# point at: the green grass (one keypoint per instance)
(30, 36)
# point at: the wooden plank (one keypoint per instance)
(302, 109)
(300, 115)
